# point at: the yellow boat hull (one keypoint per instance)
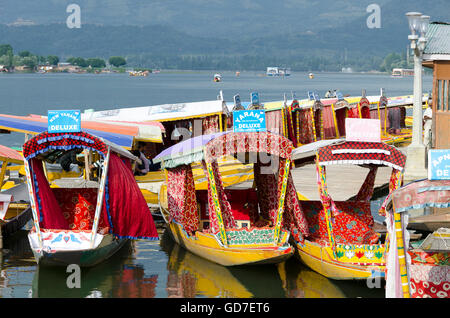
(205, 245)
(321, 259)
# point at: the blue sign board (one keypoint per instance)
(60, 121)
(249, 120)
(254, 98)
(439, 164)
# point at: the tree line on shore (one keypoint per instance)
(30, 61)
(332, 63)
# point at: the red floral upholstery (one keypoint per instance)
(315, 217)
(352, 222)
(78, 207)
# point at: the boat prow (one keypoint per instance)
(62, 248)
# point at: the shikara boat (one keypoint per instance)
(15, 209)
(83, 221)
(239, 225)
(343, 244)
(422, 271)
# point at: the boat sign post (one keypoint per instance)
(249, 120)
(439, 164)
(64, 121)
(254, 99)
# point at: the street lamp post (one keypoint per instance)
(415, 160)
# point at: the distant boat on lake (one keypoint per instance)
(401, 72)
(278, 71)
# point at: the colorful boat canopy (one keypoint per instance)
(120, 133)
(213, 146)
(248, 142)
(10, 155)
(421, 194)
(66, 141)
(353, 152)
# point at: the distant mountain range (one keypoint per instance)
(287, 30)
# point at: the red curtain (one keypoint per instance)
(129, 214)
(49, 210)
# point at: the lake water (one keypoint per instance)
(164, 269)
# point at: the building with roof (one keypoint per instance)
(437, 57)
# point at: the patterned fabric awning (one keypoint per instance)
(62, 141)
(421, 194)
(251, 142)
(362, 153)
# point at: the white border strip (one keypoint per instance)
(339, 151)
(360, 162)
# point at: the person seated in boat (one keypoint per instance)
(149, 152)
(69, 159)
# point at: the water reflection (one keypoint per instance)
(145, 269)
(192, 276)
(116, 277)
(17, 266)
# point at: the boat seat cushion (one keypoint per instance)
(243, 203)
(78, 207)
(352, 222)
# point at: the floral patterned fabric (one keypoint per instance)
(351, 224)
(67, 141)
(429, 281)
(349, 221)
(362, 153)
(268, 186)
(421, 194)
(329, 126)
(294, 218)
(306, 126)
(395, 183)
(78, 207)
(181, 198)
(225, 207)
(274, 122)
(210, 124)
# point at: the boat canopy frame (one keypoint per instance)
(208, 149)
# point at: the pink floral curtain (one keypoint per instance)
(225, 206)
(269, 189)
(274, 122)
(329, 127)
(181, 198)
